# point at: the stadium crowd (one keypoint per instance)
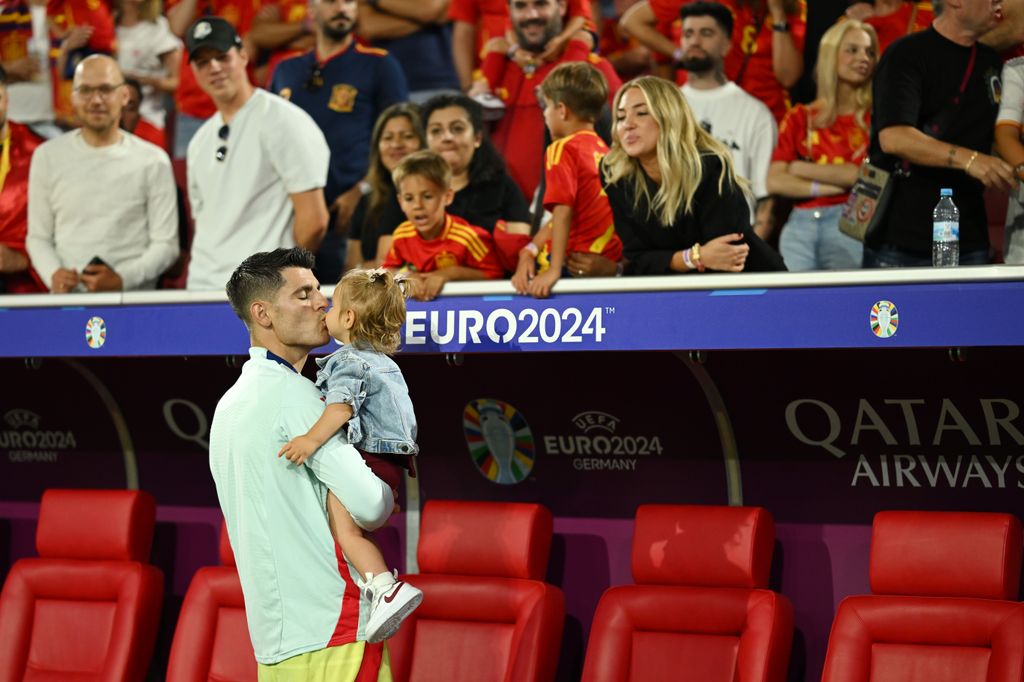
(153, 146)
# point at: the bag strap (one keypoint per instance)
(913, 18)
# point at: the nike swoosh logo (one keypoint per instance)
(391, 597)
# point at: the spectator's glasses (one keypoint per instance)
(315, 80)
(104, 91)
(222, 151)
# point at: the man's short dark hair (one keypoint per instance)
(134, 84)
(259, 277)
(716, 10)
(3, 76)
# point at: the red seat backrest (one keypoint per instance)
(940, 611)
(486, 612)
(699, 610)
(89, 606)
(211, 641)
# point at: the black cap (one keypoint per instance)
(212, 32)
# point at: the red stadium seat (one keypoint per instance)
(88, 607)
(940, 609)
(211, 641)
(487, 615)
(699, 610)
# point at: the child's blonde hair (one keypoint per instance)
(425, 164)
(378, 300)
(579, 86)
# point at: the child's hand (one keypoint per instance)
(525, 271)
(541, 285)
(430, 286)
(298, 450)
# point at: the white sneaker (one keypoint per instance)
(391, 601)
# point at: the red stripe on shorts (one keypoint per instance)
(348, 620)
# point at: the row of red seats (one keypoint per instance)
(943, 604)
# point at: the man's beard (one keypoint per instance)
(698, 64)
(337, 34)
(551, 30)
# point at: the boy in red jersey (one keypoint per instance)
(581, 236)
(433, 246)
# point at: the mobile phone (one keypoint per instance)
(96, 260)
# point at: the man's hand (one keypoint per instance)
(525, 271)
(582, 264)
(23, 69)
(63, 280)
(77, 37)
(554, 48)
(993, 173)
(860, 11)
(101, 278)
(298, 450)
(344, 207)
(11, 260)
(540, 286)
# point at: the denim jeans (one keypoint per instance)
(811, 240)
(886, 256)
(185, 127)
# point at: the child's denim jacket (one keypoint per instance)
(382, 420)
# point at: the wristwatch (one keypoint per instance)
(782, 27)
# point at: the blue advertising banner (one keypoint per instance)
(611, 315)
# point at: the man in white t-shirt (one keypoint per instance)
(102, 206)
(256, 169)
(740, 121)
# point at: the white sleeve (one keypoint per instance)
(39, 241)
(1011, 103)
(166, 41)
(297, 149)
(764, 134)
(341, 468)
(161, 223)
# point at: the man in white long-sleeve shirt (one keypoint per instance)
(302, 602)
(102, 206)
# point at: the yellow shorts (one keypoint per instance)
(333, 664)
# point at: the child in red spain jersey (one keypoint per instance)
(581, 237)
(433, 246)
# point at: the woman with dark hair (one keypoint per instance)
(397, 133)
(485, 194)
(678, 204)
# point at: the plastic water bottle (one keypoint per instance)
(945, 231)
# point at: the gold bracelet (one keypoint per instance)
(952, 154)
(695, 255)
(970, 161)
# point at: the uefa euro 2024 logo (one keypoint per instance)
(499, 440)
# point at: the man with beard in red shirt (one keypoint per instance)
(519, 135)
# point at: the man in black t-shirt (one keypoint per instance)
(936, 96)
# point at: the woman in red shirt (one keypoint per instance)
(821, 146)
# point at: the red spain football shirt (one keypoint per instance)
(458, 244)
(572, 178)
(843, 142)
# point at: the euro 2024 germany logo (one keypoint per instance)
(499, 440)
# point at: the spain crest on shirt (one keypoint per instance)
(445, 259)
(343, 98)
